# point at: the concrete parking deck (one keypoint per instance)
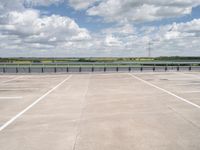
(113, 111)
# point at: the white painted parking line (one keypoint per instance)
(33, 104)
(166, 91)
(11, 97)
(11, 79)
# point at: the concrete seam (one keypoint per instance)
(81, 116)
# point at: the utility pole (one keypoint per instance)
(149, 48)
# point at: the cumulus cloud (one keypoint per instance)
(81, 4)
(123, 30)
(141, 10)
(24, 31)
(41, 31)
(112, 41)
(30, 3)
(10, 5)
(47, 27)
(174, 39)
(20, 5)
(178, 30)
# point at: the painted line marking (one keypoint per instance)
(168, 92)
(33, 104)
(11, 79)
(11, 97)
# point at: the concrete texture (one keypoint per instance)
(101, 112)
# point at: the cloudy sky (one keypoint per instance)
(67, 28)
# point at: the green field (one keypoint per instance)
(98, 60)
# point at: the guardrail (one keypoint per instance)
(99, 67)
(163, 63)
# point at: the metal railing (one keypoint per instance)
(98, 67)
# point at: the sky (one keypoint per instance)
(99, 28)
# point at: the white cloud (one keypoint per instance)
(25, 31)
(126, 29)
(36, 31)
(141, 10)
(30, 3)
(61, 36)
(174, 39)
(112, 41)
(8, 5)
(21, 24)
(81, 4)
(179, 30)
(19, 5)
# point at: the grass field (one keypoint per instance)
(98, 60)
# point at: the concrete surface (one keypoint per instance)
(116, 111)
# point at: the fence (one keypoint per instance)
(99, 67)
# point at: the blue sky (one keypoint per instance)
(95, 28)
(90, 22)
(80, 16)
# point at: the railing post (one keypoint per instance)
(42, 68)
(178, 68)
(67, 69)
(56, 67)
(154, 67)
(190, 68)
(165, 68)
(80, 69)
(129, 69)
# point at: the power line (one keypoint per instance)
(149, 48)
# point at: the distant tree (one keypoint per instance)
(36, 61)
